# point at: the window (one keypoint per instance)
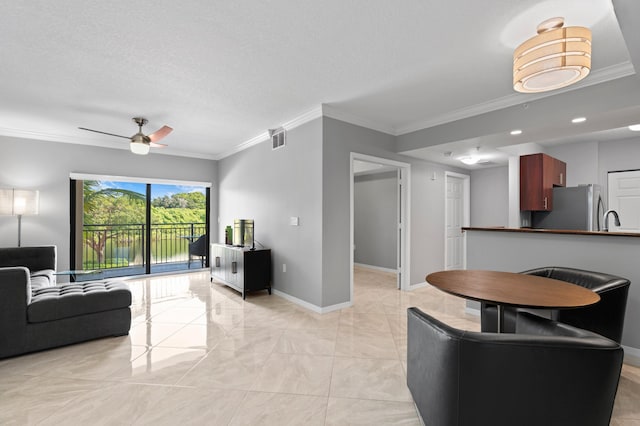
(125, 226)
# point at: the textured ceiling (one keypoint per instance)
(222, 72)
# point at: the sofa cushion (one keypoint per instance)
(70, 300)
(42, 278)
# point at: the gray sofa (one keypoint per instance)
(37, 314)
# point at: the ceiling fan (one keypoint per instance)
(141, 143)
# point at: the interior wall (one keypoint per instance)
(375, 225)
(271, 186)
(490, 197)
(616, 156)
(427, 205)
(581, 159)
(45, 166)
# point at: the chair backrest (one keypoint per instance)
(199, 246)
(461, 378)
(596, 281)
(605, 317)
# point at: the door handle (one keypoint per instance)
(234, 267)
(217, 261)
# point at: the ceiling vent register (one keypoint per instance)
(278, 137)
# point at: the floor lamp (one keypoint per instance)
(18, 202)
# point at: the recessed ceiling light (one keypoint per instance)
(516, 132)
(579, 120)
(635, 127)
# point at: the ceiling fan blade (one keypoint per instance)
(104, 133)
(160, 133)
(157, 145)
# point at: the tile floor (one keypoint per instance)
(198, 354)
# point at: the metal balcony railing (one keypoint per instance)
(108, 246)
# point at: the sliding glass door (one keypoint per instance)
(178, 227)
(123, 228)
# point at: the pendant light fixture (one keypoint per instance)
(557, 57)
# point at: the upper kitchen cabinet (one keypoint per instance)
(539, 173)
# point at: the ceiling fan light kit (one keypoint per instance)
(469, 160)
(557, 57)
(139, 148)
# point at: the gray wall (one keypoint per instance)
(271, 186)
(490, 197)
(309, 178)
(581, 159)
(589, 162)
(339, 140)
(616, 156)
(375, 205)
(46, 166)
(427, 205)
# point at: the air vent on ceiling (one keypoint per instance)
(277, 137)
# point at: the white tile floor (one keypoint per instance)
(198, 354)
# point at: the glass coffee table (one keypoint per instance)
(73, 274)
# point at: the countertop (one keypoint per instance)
(553, 231)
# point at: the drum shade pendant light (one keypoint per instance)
(557, 57)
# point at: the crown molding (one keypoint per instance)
(87, 141)
(333, 112)
(603, 75)
(264, 136)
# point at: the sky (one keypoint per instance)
(157, 190)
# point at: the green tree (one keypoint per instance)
(109, 206)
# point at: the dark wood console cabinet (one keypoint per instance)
(539, 173)
(241, 268)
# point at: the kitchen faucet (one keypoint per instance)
(605, 225)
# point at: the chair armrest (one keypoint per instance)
(15, 293)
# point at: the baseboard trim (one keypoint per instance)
(376, 268)
(418, 285)
(311, 306)
(472, 311)
(631, 356)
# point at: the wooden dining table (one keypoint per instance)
(512, 289)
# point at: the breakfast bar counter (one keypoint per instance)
(552, 231)
(516, 250)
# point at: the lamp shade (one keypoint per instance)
(19, 202)
(557, 57)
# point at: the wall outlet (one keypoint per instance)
(284, 267)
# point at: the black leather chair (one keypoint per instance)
(198, 248)
(605, 317)
(548, 373)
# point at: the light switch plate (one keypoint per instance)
(294, 221)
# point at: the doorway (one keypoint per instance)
(456, 213)
(389, 221)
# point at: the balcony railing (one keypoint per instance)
(109, 246)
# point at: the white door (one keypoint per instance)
(624, 198)
(455, 218)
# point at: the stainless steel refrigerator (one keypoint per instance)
(575, 208)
